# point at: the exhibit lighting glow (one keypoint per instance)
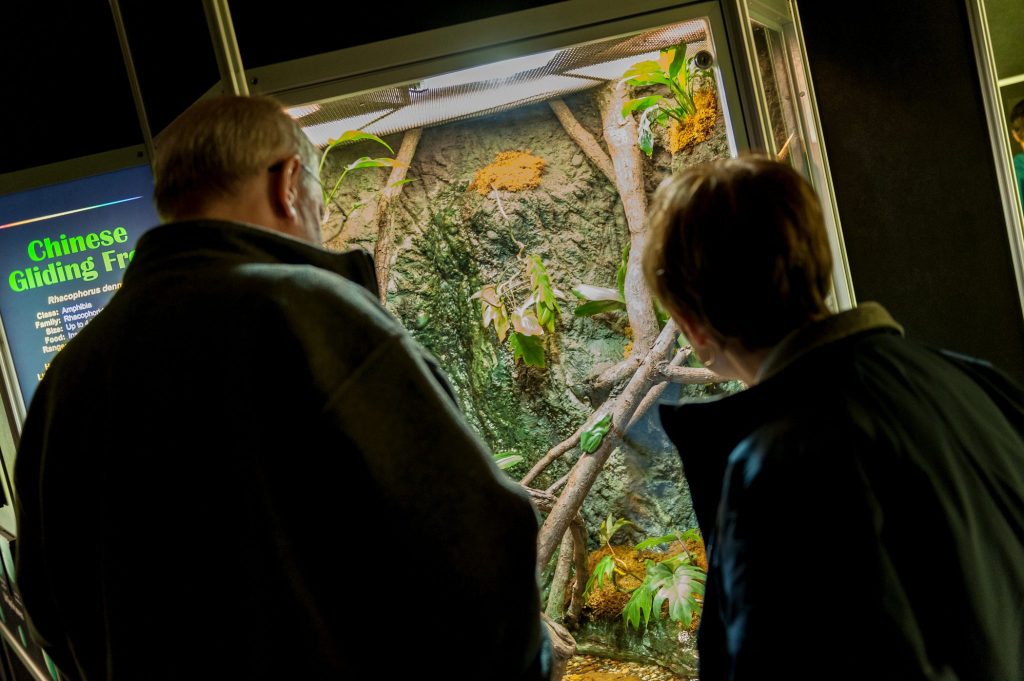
(69, 212)
(300, 111)
(322, 133)
(495, 71)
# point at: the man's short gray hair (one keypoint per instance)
(217, 144)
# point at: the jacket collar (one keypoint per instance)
(249, 243)
(865, 317)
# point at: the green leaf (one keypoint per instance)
(655, 541)
(594, 307)
(367, 162)
(401, 182)
(591, 438)
(356, 136)
(605, 569)
(679, 586)
(588, 292)
(638, 608)
(645, 73)
(640, 103)
(540, 282)
(678, 60)
(527, 348)
(610, 526)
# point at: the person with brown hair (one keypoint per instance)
(244, 468)
(1017, 131)
(863, 500)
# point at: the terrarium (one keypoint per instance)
(506, 208)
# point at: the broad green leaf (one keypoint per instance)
(588, 292)
(367, 162)
(528, 349)
(594, 307)
(655, 541)
(605, 569)
(678, 60)
(640, 103)
(678, 586)
(638, 608)
(591, 438)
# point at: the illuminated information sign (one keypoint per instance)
(63, 251)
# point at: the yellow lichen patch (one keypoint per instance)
(628, 350)
(512, 170)
(696, 128)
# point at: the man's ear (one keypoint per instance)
(695, 332)
(284, 188)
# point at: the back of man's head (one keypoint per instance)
(1017, 121)
(216, 145)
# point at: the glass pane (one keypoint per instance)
(789, 116)
(508, 240)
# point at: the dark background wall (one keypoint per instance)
(897, 89)
(909, 149)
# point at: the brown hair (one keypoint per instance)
(218, 143)
(1017, 118)
(739, 246)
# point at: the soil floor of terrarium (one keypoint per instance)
(589, 668)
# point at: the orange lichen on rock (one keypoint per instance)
(698, 127)
(512, 170)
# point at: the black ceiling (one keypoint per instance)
(66, 89)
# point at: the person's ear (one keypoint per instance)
(284, 188)
(695, 332)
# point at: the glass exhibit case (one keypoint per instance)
(503, 190)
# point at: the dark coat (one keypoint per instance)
(863, 507)
(244, 468)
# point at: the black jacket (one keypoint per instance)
(864, 511)
(244, 468)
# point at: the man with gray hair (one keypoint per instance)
(243, 467)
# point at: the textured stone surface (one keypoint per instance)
(450, 241)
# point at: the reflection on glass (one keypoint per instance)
(781, 95)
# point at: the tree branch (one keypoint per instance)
(620, 134)
(582, 137)
(385, 221)
(690, 375)
(554, 453)
(588, 466)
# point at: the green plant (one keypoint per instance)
(530, 320)
(680, 76)
(358, 164)
(676, 580)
